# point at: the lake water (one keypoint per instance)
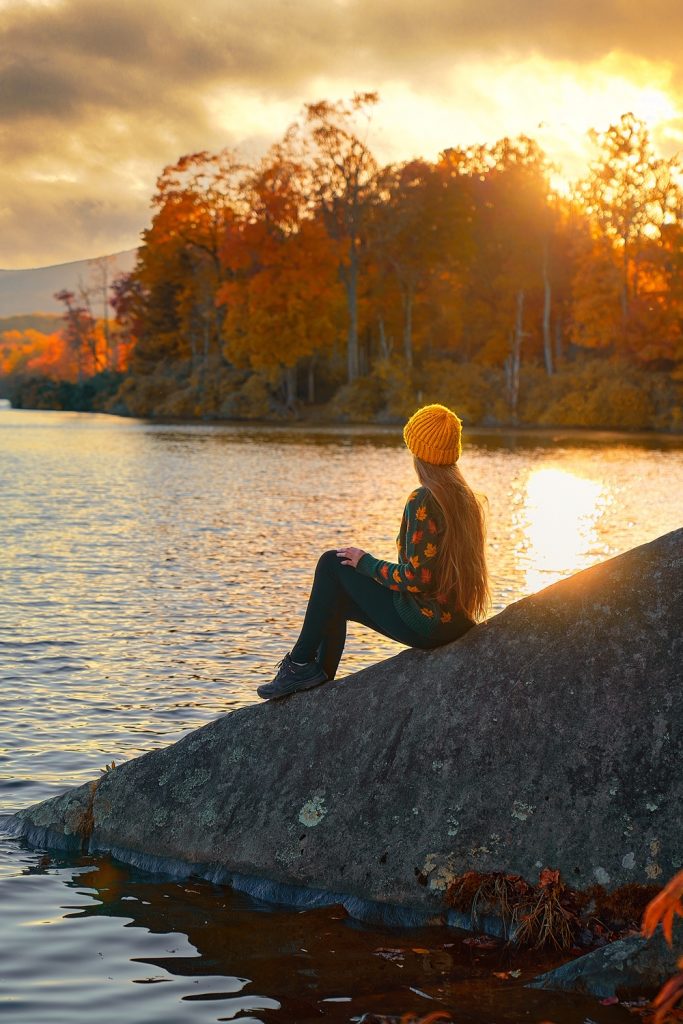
(153, 576)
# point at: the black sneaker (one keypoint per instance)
(291, 677)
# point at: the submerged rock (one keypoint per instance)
(548, 736)
(627, 967)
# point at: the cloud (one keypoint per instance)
(55, 223)
(96, 98)
(584, 30)
(81, 52)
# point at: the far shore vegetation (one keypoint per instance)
(319, 285)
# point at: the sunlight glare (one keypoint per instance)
(558, 519)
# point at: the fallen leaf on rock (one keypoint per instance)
(419, 949)
(506, 974)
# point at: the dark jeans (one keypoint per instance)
(339, 595)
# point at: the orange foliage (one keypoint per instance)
(664, 907)
(667, 1002)
(596, 312)
(470, 262)
(662, 910)
(31, 353)
(284, 310)
(279, 265)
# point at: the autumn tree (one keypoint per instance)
(343, 186)
(280, 293)
(417, 229)
(315, 261)
(283, 314)
(507, 296)
(631, 195)
(82, 335)
(95, 293)
(180, 269)
(30, 352)
(596, 290)
(128, 304)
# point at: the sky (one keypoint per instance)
(96, 98)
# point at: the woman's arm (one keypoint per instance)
(415, 573)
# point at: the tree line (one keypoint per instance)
(318, 281)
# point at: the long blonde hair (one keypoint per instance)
(461, 559)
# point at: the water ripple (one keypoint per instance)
(154, 575)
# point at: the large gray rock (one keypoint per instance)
(548, 736)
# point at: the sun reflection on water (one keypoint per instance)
(558, 520)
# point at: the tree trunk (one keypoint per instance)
(350, 278)
(385, 344)
(635, 286)
(310, 380)
(625, 298)
(547, 303)
(513, 361)
(114, 350)
(408, 325)
(204, 370)
(289, 380)
(79, 359)
(105, 316)
(558, 340)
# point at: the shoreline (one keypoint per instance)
(323, 425)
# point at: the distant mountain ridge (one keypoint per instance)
(46, 323)
(32, 290)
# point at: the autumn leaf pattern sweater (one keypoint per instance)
(412, 579)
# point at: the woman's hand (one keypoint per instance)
(350, 556)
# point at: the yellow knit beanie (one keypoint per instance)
(433, 434)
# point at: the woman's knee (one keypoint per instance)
(328, 562)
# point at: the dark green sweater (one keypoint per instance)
(416, 594)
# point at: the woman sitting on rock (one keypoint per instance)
(436, 591)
